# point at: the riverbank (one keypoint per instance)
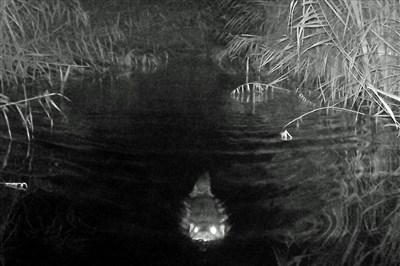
(48, 43)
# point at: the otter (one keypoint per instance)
(204, 218)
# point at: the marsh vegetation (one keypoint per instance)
(44, 44)
(339, 55)
(332, 55)
(342, 53)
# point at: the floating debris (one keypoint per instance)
(19, 186)
(285, 135)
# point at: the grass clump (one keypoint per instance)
(45, 43)
(30, 38)
(31, 53)
(176, 27)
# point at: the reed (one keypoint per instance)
(32, 52)
(261, 17)
(48, 39)
(349, 49)
(28, 31)
(44, 43)
(346, 52)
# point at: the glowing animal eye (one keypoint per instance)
(213, 230)
(196, 229)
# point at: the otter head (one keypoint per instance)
(202, 186)
(207, 232)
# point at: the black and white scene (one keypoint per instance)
(200, 132)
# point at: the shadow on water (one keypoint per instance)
(108, 186)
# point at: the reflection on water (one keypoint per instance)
(204, 219)
(107, 186)
(8, 200)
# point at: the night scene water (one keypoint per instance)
(110, 183)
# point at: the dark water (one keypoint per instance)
(106, 185)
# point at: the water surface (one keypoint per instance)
(107, 184)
